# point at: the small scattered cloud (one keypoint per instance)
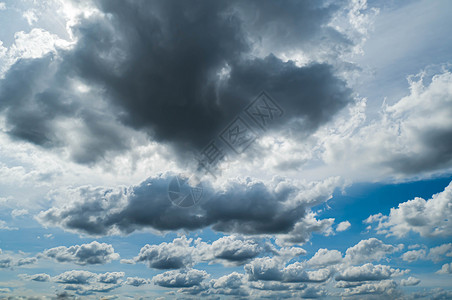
(325, 257)
(4, 226)
(19, 212)
(414, 255)
(343, 226)
(410, 281)
(369, 250)
(137, 281)
(367, 272)
(85, 254)
(41, 277)
(445, 269)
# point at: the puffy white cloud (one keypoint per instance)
(410, 281)
(426, 217)
(87, 277)
(343, 226)
(325, 257)
(41, 277)
(267, 268)
(75, 277)
(19, 212)
(127, 261)
(11, 260)
(110, 277)
(26, 261)
(136, 281)
(175, 255)
(184, 253)
(411, 137)
(231, 250)
(445, 269)
(387, 287)
(271, 268)
(180, 278)
(231, 284)
(232, 281)
(367, 272)
(86, 283)
(436, 254)
(264, 268)
(296, 272)
(369, 250)
(34, 44)
(30, 16)
(85, 254)
(414, 255)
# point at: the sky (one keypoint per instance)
(225, 149)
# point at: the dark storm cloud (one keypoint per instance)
(158, 64)
(246, 207)
(27, 113)
(38, 93)
(166, 79)
(437, 152)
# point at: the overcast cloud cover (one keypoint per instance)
(343, 191)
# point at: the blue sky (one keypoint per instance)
(223, 150)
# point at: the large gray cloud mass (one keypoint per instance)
(178, 70)
(240, 206)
